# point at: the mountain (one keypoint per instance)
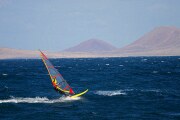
(8, 53)
(160, 41)
(92, 45)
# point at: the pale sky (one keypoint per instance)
(58, 24)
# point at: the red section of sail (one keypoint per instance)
(43, 55)
(54, 84)
(56, 75)
(71, 91)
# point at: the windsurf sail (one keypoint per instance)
(58, 82)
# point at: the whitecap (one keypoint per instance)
(173, 114)
(4, 74)
(121, 65)
(107, 64)
(144, 60)
(151, 90)
(57, 66)
(129, 90)
(155, 72)
(37, 100)
(110, 93)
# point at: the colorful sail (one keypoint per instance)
(58, 81)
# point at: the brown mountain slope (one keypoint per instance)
(92, 45)
(8, 53)
(160, 41)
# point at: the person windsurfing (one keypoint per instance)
(56, 87)
(59, 83)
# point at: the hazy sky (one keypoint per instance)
(58, 24)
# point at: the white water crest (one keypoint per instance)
(144, 60)
(57, 66)
(37, 100)
(4, 74)
(155, 72)
(110, 93)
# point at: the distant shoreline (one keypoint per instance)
(84, 57)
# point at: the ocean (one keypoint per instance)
(127, 88)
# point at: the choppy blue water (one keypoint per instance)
(119, 88)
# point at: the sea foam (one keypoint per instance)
(37, 100)
(110, 93)
(4, 74)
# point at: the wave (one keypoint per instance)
(143, 90)
(125, 92)
(57, 66)
(110, 93)
(38, 100)
(4, 74)
(151, 90)
(155, 72)
(3, 88)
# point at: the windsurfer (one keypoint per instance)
(55, 85)
(58, 82)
